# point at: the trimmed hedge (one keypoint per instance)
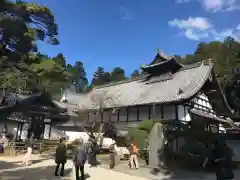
(137, 136)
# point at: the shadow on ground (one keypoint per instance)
(10, 165)
(38, 173)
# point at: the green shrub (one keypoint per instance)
(146, 125)
(137, 136)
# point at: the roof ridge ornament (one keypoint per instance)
(162, 54)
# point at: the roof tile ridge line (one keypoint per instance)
(119, 82)
(161, 53)
(221, 91)
(189, 66)
(204, 80)
(151, 65)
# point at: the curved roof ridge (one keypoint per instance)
(120, 82)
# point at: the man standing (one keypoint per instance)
(60, 157)
(133, 156)
(79, 159)
(28, 154)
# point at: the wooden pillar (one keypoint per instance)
(149, 113)
(162, 112)
(137, 113)
(110, 115)
(21, 127)
(16, 137)
(154, 111)
(101, 111)
(118, 114)
(50, 130)
(176, 112)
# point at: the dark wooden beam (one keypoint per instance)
(50, 131)
(162, 111)
(176, 112)
(137, 113)
(149, 113)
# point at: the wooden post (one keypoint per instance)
(50, 130)
(154, 111)
(21, 126)
(16, 137)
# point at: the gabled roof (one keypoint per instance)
(32, 101)
(163, 67)
(160, 57)
(180, 86)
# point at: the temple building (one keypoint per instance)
(166, 90)
(30, 113)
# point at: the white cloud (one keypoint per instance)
(192, 28)
(220, 5)
(126, 14)
(221, 35)
(216, 5)
(200, 28)
(238, 27)
(200, 23)
(183, 1)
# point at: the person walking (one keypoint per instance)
(60, 157)
(112, 156)
(28, 154)
(133, 156)
(221, 159)
(79, 159)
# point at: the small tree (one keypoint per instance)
(99, 101)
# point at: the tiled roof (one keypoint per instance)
(181, 86)
(73, 98)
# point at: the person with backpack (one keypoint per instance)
(60, 157)
(133, 156)
(79, 159)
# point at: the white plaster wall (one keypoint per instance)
(11, 126)
(205, 102)
(77, 135)
(181, 114)
(188, 117)
(56, 134)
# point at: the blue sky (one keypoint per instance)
(127, 33)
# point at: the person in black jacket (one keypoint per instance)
(79, 159)
(60, 157)
(221, 159)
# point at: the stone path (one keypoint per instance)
(42, 169)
